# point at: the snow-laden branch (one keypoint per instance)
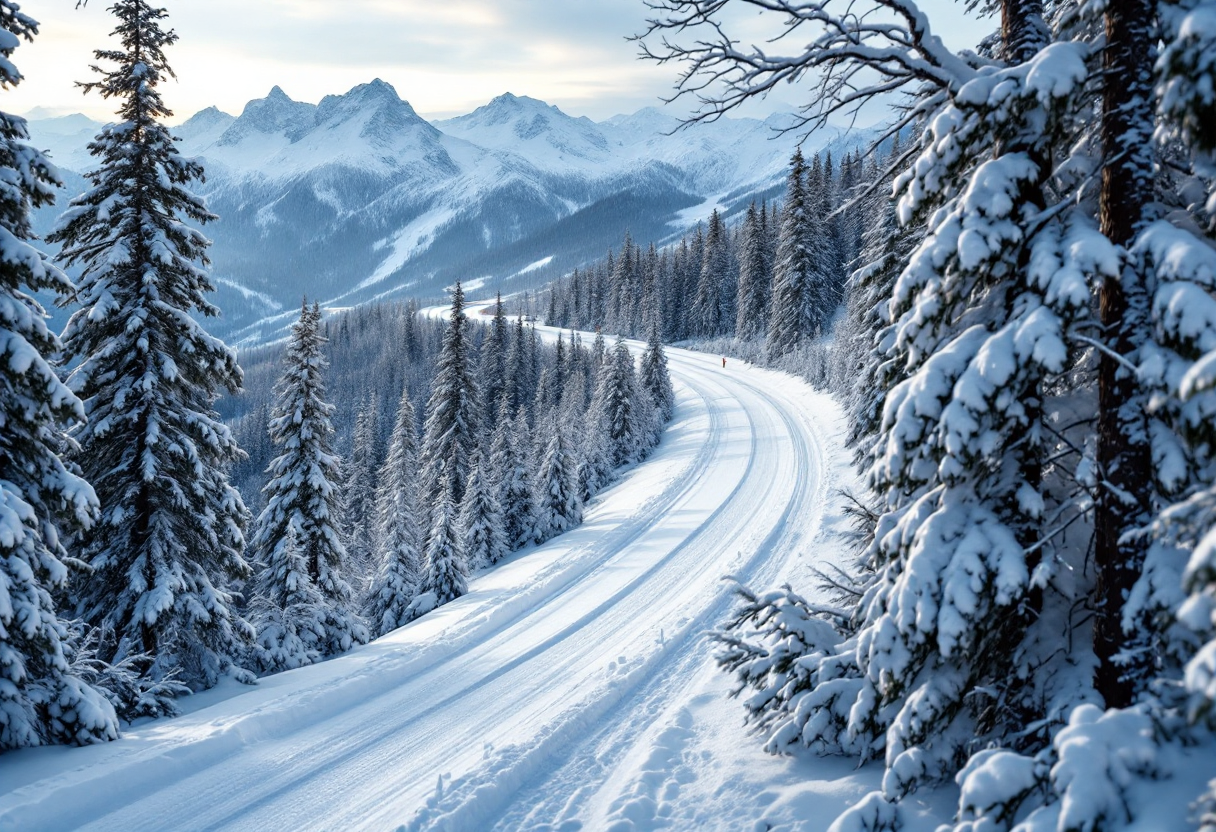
(854, 55)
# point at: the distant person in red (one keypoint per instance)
(724, 362)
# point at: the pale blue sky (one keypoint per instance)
(445, 57)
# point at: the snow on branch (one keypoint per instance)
(855, 52)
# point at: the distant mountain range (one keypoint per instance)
(358, 198)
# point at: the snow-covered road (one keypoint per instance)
(572, 688)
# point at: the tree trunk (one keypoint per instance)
(1123, 500)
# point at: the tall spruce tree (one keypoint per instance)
(41, 699)
(169, 541)
(510, 463)
(618, 414)
(559, 506)
(298, 544)
(446, 570)
(709, 318)
(492, 367)
(400, 573)
(751, 310)
(790, 296)
(359, 489)
(653, 375)
(482, 536)
(452, 429)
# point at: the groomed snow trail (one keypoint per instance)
(572, 688)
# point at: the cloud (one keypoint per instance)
(446, 57)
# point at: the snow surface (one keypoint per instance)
(572, 688)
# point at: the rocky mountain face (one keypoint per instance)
(358, 198)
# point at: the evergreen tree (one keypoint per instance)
(559, 506)
(398, 580)
(623, 287)
(446, 570)
(863, 372)
(790, 298)
(301, 557)
(654, 377)
(517, 384)
(599, 352)
(41, 699)
(360, 489)
(482, 537)
(286, 609)
(708, 316)
(452, 427)
(616, 409)
(754, 279)
(170, 539)
(492, 368)
(509, 463)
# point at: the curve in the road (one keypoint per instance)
(447, 720)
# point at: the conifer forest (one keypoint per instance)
(849, 467)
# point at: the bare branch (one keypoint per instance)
(853, 56)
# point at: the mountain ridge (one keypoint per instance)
(358, 198)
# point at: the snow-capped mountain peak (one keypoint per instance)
(376, 106)
(541, 133)
(358, 198)
(277, 113)
(204, 127)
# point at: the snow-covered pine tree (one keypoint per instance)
(41, 699)
(170, 540)
(863, 372)
(446, 571)
(674, 299)
(359, 490)
(559, 506)
(1184, 74)
(789, 318)
(622, 288)
(832, 263)
(452, 427)
(967, 635)
(287, 610)
(509, 463)
(650, 307)
(517, 384)
(653, 375)
(298, 542)
(492, 366)
(617, 412)
(482, 534)
(595, 455)
(707, 315)
(754, 280)
(400, 574)
(547, 393)
(599, 352)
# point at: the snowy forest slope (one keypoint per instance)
(559, 651)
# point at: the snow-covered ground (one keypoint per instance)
(572, 688)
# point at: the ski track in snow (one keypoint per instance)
(572, 688)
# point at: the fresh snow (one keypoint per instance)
(409, 241)
(531, 267)
(571, 688)
(699, 213)
(249, 294)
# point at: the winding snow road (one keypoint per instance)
(563, 692)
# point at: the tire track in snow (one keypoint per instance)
(633, 804)
(473, 802)
(536, 674)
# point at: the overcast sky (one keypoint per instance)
(446, 57)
